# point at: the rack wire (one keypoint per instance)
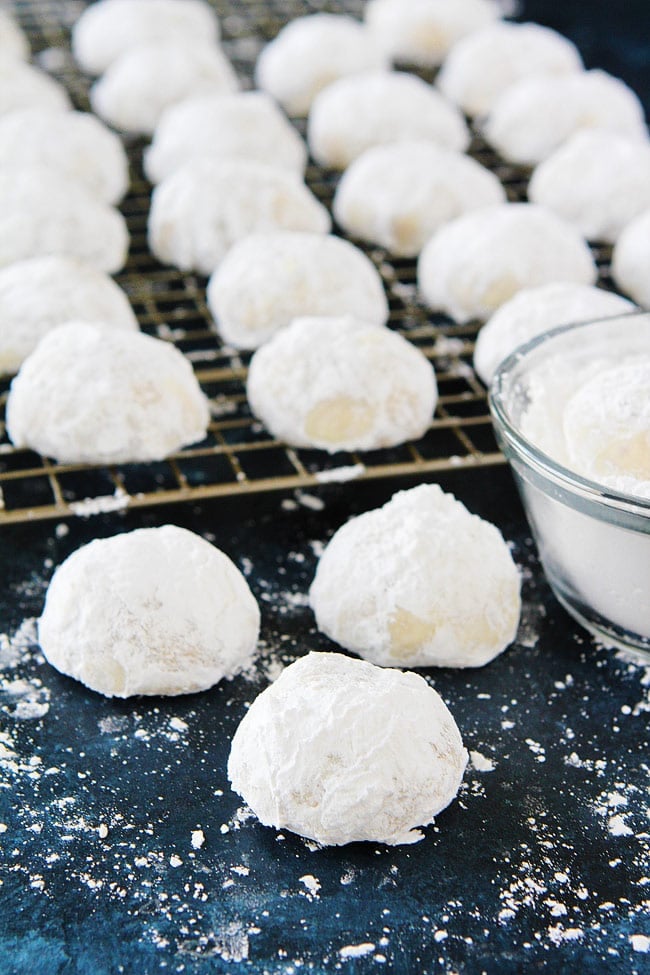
(238, 456)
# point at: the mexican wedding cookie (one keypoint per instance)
(477, 262)
(341, 384)
(13, 42)
(38, 294)
(24, 86)
(339, 751)
(420, 582)
(398, 195)
(631, 259)
(365, 110)
(267, 280)
(152, 611)
(93, 394)
(309, 53)
(206, 206)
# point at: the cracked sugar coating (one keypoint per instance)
(479, 261)
(340, 751)
(631, 259)
(267, 280)
(374, 108)
(107, 29)
(482, 65)
(40, 293)
(309, 53)
(398, 195)
(597, 180)
(13, 42)
(92, 394)
(152, 611)
(24, 86)
(535, 310)
(420, 582)
(246, 125)
(46, 212)
(341, 384)
(74, 143)
(200, 211)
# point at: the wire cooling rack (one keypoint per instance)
(238, 456)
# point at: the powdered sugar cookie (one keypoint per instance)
(152, 611)
(267, 280)
(24, 86)
(476, 263)
(340, 751)
(398, 195)
(341, 384)
(420, 582)
(94, 394)
(631, 259)
(13, 42)
(370, 109)
(206, 206)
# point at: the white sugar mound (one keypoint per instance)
(267, 280)
(92, 394)
(631, 259)
(152, 611)
(341, 384)
(420, 582)
(398, 195)
(24, 86)
(13, 42)
(340, 751)
(477, 262)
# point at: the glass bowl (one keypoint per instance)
(594, 543)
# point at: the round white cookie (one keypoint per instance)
(94, 394)
(476, 263)
(148, 78)
(340, 751)
(152, 611)
(74, 143)
(398, 195)
(353, 114)
(40, 293)
(631, 259)
(422, 32)
(535, 310)
(206, 206)
(341, 384)
(420, 582)
(107, 29)
(24, 86)
(309, 53)
(267, 280)
(45, 212)
(598, 180)
(13, 42)
(482, 65)
(536, 115)
(246, 125)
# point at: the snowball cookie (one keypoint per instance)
(267, 280)
(483, 64)
(24, 86)
(74, 143)
(397, 195)
(420, 582)
(148, 78)
(107, 29)
(536, 115)
(340, 751)
(13, 42)
(207, 205)
(93, 394)
(40, 293)
(631, 259)
(365, 110)
(152, 611)
(597, 180)
(536, 310)
(247, 125)
(309, 53)
(341, 384)
(476, 263)
(422, 32)
(46, 212)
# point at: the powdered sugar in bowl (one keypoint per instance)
(571, 410)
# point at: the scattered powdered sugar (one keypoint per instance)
(102, 504)
(480, 763)
(357, 951)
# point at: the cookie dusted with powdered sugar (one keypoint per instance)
(24, 86)
(13, 42)
(631, 259)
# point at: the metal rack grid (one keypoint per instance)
(238, 456)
